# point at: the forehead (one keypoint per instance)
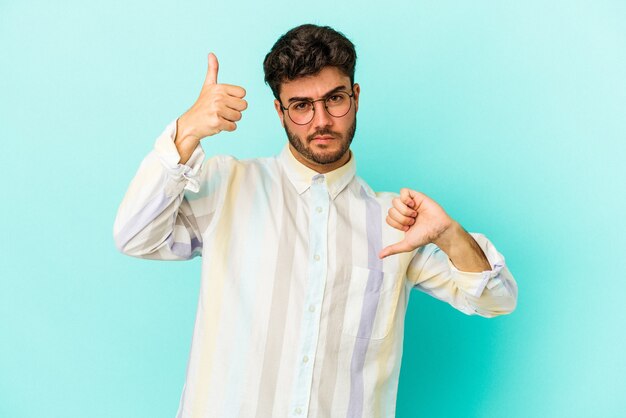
(315, 85)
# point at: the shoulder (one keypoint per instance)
(229, 168)
(232, 162)
(365, 190)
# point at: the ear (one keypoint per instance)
(279, 110)
(357, 92)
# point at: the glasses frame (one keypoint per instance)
(283, 108)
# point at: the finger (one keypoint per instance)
(417, 198)
(400, 218)
(233, 90)
(405, 197)
(236, 103)
(211, 73)
(227, 125)
(229, 114)
(403, 208)
(392, 222)
(400, 247)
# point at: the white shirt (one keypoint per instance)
(297, 316)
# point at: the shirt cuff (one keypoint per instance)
(168, 154)
(474, 283)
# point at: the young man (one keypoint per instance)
(306, 271)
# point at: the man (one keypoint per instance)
(306, 271)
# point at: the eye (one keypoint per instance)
(335, 98)
(301, 106)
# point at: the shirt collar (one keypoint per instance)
(302, 176)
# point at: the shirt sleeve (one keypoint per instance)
(489, 293)
(157, 218)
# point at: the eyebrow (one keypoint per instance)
(336, 89)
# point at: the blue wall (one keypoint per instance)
(512, 115)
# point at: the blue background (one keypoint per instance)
(512, 115)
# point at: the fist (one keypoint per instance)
(420, 218)
(217, 109)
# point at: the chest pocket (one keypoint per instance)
(371, 303)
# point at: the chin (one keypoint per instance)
(327, 157)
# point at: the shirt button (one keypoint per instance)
(311, 308)
(318, 209)
(316, 257)
(298, 411)
(305, 359)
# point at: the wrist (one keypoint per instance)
(184, 133)
(184, 141)
(462, 250)
(453, 233)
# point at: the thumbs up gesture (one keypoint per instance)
(217, 108)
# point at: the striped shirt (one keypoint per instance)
(297, 316)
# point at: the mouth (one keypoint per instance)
(323, 138)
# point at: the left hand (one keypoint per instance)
(420, 217)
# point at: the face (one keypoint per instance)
(323, 143)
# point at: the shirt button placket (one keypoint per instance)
(318, 232)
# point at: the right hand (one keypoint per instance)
(217, 109)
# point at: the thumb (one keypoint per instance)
(399, 247)
(211, 74)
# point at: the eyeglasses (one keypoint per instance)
(337, 104)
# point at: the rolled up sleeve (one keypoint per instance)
(488, 293)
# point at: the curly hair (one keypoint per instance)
(306, 50)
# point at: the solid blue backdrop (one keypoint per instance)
(509, 114)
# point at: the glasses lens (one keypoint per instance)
(301, 112)
(338, 104)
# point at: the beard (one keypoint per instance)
(322, 157)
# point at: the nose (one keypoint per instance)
(321, 117)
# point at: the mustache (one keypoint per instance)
(323, 132)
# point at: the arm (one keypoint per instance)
(487, 293)
(157, 216)
(450, 264)
(155, 220)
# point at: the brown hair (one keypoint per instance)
(306, 50)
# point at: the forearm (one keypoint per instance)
(462, 250)
(488, 293)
